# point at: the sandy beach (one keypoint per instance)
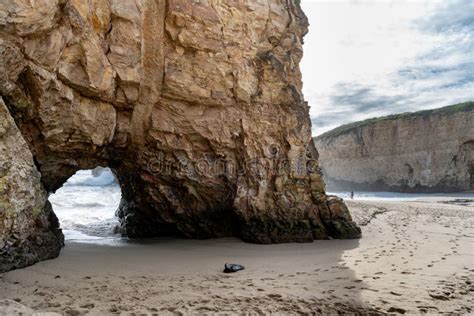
(414, 257)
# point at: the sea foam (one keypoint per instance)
(86, 205)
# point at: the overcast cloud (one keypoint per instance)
(365, 59)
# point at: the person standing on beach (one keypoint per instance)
(352, 194)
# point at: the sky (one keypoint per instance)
(364, 59)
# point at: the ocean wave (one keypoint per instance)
(103, 177)
(86, 205)
(104, 228)
(89, 205)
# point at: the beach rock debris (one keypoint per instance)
(195, 106)
(232, 267)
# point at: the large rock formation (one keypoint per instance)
(427, 151)
(29, 230)
(195, 105)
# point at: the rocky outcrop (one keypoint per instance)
(196, 106)
(29, 230)
(427, 151)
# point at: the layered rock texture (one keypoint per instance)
(29, 230)
(427, 151)
(195, 105)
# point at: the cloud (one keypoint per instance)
(450, 16)
(410, 57)
(353, 101)
(359, 99)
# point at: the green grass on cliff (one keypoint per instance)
(447, 110)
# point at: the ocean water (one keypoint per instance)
(86, 205)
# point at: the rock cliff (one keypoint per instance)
(29, 230)
(196, 106)
(426, 151)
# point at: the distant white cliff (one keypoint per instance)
(426, 151)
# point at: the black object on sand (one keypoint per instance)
(232, 267)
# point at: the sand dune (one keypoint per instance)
(414, 257)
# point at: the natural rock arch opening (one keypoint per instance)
(86, 205)
(170, 83)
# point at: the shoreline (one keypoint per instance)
(413, 257)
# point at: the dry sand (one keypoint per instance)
(414, 257)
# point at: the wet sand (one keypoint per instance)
(414, 257)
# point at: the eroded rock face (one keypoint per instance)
(195, 105)
(428, 151)
(29, 230)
